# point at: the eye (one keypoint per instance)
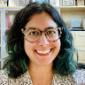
(33, 33)
(51, 32)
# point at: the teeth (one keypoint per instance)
(43, 52)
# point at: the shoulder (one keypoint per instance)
(63, 80)
(5, 80)
(24, 79)
(3, 77)
(79, 76)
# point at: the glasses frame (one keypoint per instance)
(59, 29)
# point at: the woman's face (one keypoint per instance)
(42, 51)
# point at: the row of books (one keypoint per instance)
(74, 23)
(73, 2)
(53, 2)
(25, 2)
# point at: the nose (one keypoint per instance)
(43, 40)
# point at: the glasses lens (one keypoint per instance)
(32, 35)
(52, 34)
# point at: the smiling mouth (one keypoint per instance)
(43, 53)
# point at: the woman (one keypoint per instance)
(40, 49)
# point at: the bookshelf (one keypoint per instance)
(67, 12)
(73, 12)
(79, 43)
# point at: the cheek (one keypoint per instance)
(28, 48)
(57, 46)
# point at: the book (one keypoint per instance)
(9, 21)
(75, 22)
(68, 2)
(41, 1)
(14, 3)
(83, 23)
(55, 3)
(3, 2)
(80, 2)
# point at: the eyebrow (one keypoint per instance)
(30, 28)
(34, 28)
(50, 28)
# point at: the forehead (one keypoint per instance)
(41, 21)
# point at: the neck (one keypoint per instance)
(41, 74)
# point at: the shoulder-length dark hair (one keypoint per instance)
(17, 62)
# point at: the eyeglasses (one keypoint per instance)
(33, 34)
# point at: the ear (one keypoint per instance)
(22, 30)
(60, 30)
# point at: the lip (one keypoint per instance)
(43, 53)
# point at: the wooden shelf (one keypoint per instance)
(16, 8)
(11, 8)
(72, 8)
